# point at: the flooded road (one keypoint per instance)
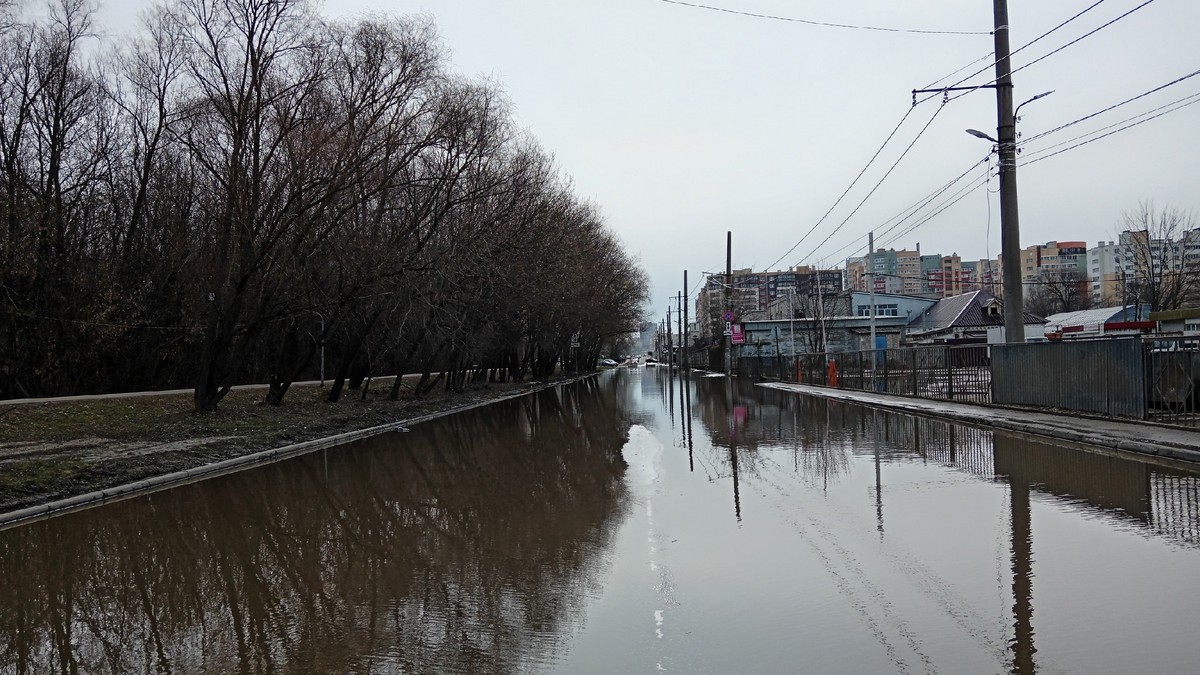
(635, 523)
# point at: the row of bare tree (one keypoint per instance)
(243, 182)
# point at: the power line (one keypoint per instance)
(959, 196)
(952, 74)
(1015, 51)
(907, 213)
(879, 183)
(925, 201)
(1112, 107)
(1182, 103)
(1085, 35)
(823, 24)
(847, 190)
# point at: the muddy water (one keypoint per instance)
(634, 524)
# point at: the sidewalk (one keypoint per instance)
(1131, 436)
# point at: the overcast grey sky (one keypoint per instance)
(683, 123)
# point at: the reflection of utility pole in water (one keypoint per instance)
(733, 458)
(687, 393)
(671, 398)
(1022, 578)
(682, 412)
(878, 482)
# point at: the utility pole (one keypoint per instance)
(871, 284)
(728, 303)
(1006, 134)
(670, 345)
(679, 318)
(687, 364)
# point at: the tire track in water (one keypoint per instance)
(923, 577)
(874, 594)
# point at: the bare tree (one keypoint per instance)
(1059, 291)
(1161, 264)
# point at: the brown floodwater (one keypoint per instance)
(635, 523)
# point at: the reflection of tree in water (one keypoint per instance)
(461, 547)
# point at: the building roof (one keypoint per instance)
(1175, 315)
(1088, 317)
(964, 311)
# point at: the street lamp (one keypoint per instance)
(1010, 237)
(1041, 95)
(979, 134)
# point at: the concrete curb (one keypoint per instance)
(1006, 419)
(196, 474)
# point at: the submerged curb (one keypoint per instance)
(1140, 439)
(196, 474)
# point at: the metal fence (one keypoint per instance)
(1143, 378)
(1172, 379)
(1098, 376)
(949, 373)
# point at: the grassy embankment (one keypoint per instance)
(50, 451)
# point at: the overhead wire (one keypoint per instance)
(910, 211)
(823, 24)
(1051, 53)
(878, 183)
(854, 182)
(1178, 105)
(1111, 107)
(959, 196)
(1013, 52)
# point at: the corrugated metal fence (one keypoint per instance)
(1099, 376)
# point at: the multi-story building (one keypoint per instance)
(752, 292)
(1106, 272)
(888, 270)
(981, 275)
(1162, 271)
(911, 273)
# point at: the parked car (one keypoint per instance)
(607, 363)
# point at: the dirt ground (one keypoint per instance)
(50, 451)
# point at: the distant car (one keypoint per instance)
(608, 363)
(651, 361)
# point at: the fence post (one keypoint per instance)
(914, 370)
(949, 376)
(886, 384)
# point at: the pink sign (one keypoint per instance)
(739, 334)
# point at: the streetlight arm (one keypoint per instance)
(979, 134)
(1041, 95)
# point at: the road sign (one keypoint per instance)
(728, 328)
(728, 316)
(739, 334)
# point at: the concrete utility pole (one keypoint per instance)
(728, 303)
(679, 318)
(871, 283)
(687, 364)
(1006, 135)
(670, 345)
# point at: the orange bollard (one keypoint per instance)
(833, 372)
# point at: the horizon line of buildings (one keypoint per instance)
(1106, 274)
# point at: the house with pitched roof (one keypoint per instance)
(969, 318)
